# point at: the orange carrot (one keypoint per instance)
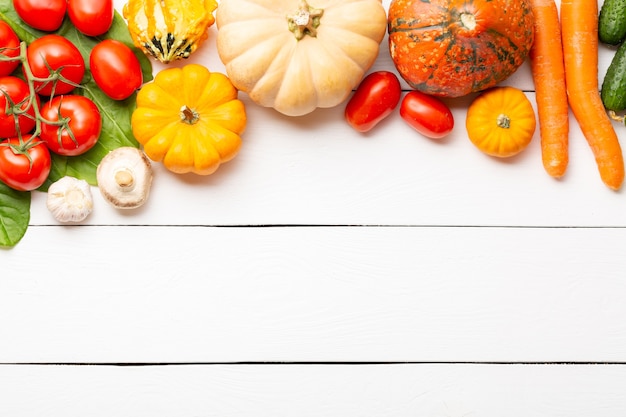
(548, 70)
(579, 29)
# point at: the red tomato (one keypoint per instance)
(15, 98)
(374, 99)
(427, 114)
(62, 56)
(82, 130)
(24, 165)
(115, 69)
(91, 17)
(10, 41)
(46, 15)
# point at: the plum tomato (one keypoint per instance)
(56, 53)
(79, 124)
(427, 114)
(115, 69)
(10, 45)
(25, 163)
(91, 17)
(46, 15)
(375, 98)
(15, 101)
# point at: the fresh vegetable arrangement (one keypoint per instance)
(79, 106)
(56, 120)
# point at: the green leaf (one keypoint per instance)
(116, 129)
(14, 215)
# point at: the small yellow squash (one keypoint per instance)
(190, 119)
(296, 56)
(501, 121)
(169, 29)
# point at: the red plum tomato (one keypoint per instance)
(91, 17)
(62, 56)
(82, 130)
(375, 98)
(15, 101)
(45, 15)
(427, 114)
(24, 163)
(115, 69)
(10, 44)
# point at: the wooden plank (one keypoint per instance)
(318, 171)
(180, 294)
(330, 391)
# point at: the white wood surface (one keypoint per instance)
(329, 273)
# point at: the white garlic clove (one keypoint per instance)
(70, 200)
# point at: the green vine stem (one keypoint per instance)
(17, 109)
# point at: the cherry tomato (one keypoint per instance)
(91, 17)
(374, 99)
(83, 120)
(427, 114)
(10, 41)
(15, 97)
(115, 69)
(24, 164)
(62, 56)
(46, 15)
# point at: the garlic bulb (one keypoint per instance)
(70, 199)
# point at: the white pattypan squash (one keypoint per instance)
(296, 56)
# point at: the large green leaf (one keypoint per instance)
(14, 215)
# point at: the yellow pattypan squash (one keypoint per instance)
(296, 56)
(169, 29)
(501, 121)
(190, 119)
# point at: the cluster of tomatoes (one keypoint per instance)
(379, 94)
(40, 111)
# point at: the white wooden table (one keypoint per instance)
(329, 273)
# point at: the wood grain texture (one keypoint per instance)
(310, 390)
(207, 294)
(321, 245)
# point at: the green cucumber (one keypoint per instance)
(613, 91)
(612, 22)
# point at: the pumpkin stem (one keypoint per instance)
(304, 21)
(468, 20)
(188, 115)
(503, 121)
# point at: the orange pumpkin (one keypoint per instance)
(451, 48)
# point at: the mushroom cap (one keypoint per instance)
(124, 177)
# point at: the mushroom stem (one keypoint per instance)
(124, 178)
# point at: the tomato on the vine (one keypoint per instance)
(56, 53)
(25, 163)
(427, 114)
(374, 99)
(46, 15)
(115, 69)
(78, 128)
(10, 45)
(91, 18)
(15, 101)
